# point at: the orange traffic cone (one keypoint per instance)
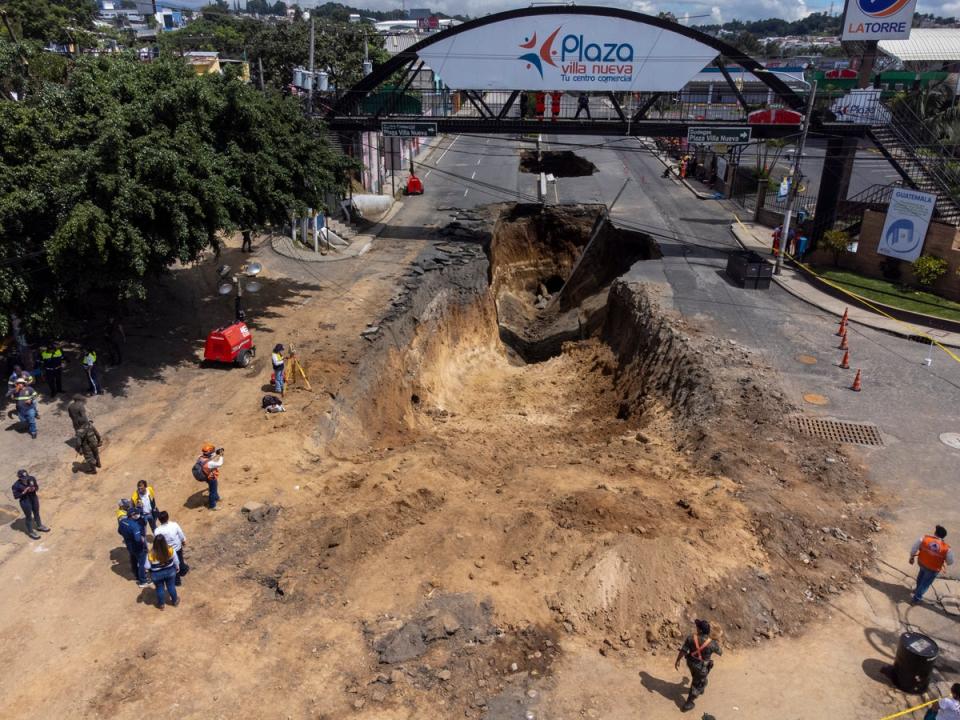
(845, 363)
(844, 318)
(843, 326)
(856, 382)
(843, 342)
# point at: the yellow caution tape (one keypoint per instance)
(916, 331)
(908, 710)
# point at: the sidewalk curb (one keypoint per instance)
(282, 245)
(682, 181)
(905, 334)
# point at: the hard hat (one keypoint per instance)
(208, 448)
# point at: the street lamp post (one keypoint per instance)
(795, 182)
(252, 286)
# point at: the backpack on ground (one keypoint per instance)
(269, 401)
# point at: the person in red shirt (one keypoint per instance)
(931, 553)
(555, 105)
(541, 104)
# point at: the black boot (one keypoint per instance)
(688, 705)
(31, 532)
(41, 527)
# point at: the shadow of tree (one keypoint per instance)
(169, 329)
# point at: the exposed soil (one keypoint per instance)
(559, 163)
(445, 521)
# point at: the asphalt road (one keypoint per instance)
(869, 168)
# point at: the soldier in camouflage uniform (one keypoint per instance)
(88, 443)
(697, 649)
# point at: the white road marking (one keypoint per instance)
(474, 175)
(447, 150)
(427, 174)
(466, 191)
(478, 161)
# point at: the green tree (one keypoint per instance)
(131, 167)
(61, 21)
(928, 269)
(836, 242)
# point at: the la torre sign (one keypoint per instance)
(568, 52)
(878, 19)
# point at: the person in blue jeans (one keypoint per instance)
(164, 566)
(132, 532)
(276, 359)
(931, 553)
(26, 398)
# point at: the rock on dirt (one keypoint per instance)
(259, 512)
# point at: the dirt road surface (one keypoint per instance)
(446, 531)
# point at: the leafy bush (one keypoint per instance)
(928, 269)
(836, 241)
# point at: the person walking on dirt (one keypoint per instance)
(93, 374)
(176, 540)
(27, 410)
(77, 410)
(247, 245)
(947, 708)
(25, 491)
(697, 649)
(51, 358)
(931, 553)
(278, 365)
(18, 375)
(583, 105)
(207, 469)
(145, 500)
(88, 444)
(131, 530)
(163, 565)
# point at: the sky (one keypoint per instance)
(709, 11)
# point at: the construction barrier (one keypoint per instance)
(916, 331)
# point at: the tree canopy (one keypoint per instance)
(50, 20)
(130, 167)
(282, 46)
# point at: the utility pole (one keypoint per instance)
(795, 182)
(312, 47)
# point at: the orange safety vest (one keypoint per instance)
(933, 553)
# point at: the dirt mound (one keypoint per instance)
(559, 163)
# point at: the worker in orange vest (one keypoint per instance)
(541, 104)
(931, 553)
(555, 105)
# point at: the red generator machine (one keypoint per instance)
(414, 185)
(230, 344)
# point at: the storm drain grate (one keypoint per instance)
(838, 430)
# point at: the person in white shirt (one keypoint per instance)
(946, 708)
(176, 540)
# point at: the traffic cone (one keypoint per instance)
(845, 363)
(856, 382)
(843, 326)
(843, 342)
(844, 318)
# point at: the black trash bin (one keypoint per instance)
(749, 270)
(916, 654)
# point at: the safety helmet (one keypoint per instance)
(207, 449)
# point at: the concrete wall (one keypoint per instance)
(942, 241)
